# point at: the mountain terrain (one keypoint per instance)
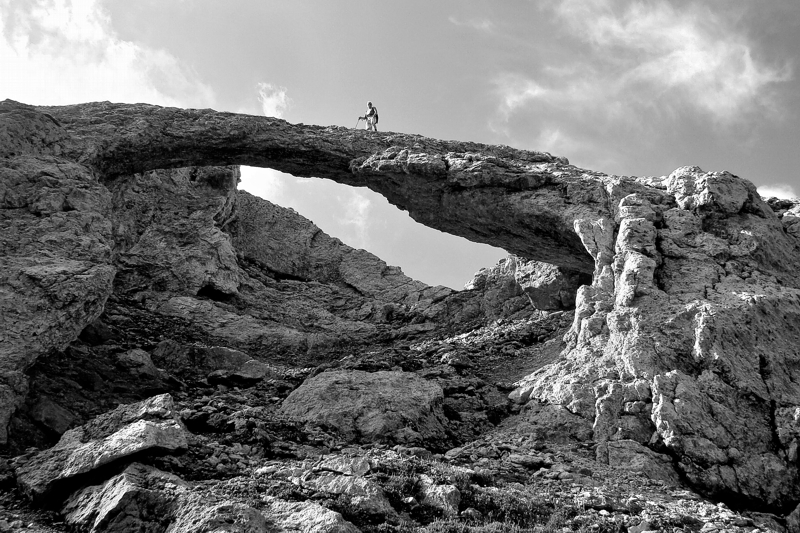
(178, 355)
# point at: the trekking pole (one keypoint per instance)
(357, 121)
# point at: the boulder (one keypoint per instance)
(247, 375)
(143, 498)
(305, 517)
(149, 426)
(630, 455)
(364, 495)
(516, 284)
(138, 362)
(387, 406)
(52, 416)
(138, 499)
(445, 498)
(552, 423)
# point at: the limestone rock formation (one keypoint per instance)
(685, 341)
(55, 254)
(687, 336)
(515, 284)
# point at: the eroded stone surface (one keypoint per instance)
(686, 337)
(396, 407)
(148, 426)
(143, 498)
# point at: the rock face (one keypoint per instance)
(293, 247)
(55, 254)
(685, 341)
(396, 407)
(687, 337)
(515, 284)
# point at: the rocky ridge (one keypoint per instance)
(677, 363)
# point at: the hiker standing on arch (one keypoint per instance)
(371, 117)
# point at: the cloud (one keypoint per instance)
(482, 25)
(648, 58)
(780, 190)
(624, 76)
(66, 51)
(356, 217)
(266, 183)
(273, 98)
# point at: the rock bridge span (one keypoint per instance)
(522, 201)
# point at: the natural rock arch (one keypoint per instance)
(686, 340)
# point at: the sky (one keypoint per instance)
(619, 86)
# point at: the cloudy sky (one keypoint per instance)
(621, 86)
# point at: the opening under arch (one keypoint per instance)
(364, 219)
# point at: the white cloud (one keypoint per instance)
(482, 25)
(647, 58)
(274, 101)
(266, 183)
(356, 216)
(780, 190)
(66, 51)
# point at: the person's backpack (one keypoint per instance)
(376, 114)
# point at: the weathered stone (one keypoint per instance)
(793, 521)
(247, 375)
(631, 455)
(52, 416)
(442, 497)
(533, 462)
(143, 498)
(292, 246)
(383, 406)
(513, 283)
(131, 501)
(690, 317)
(55, 255)
(147, 426)
(137, 361)
(363, 494)
(341, 464)
(553, 423)
(306, 517)
(176, 357)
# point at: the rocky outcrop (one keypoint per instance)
(684, 342)
(514, 285)
(687, 337)
(55, 255)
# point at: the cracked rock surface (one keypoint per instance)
(646, 328)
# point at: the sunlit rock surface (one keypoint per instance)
(685, 341)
